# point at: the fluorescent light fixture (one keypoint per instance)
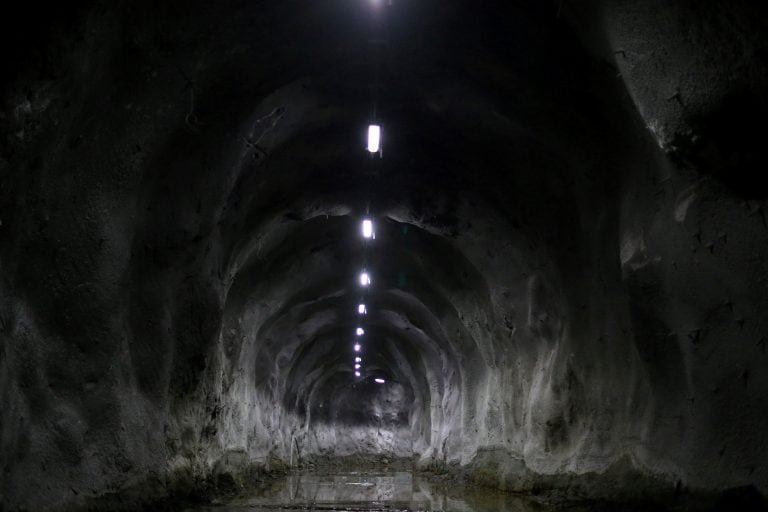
(360, 331)
(357, 367)
(357, 374)
(367, 229)
(357, 347)
(358, 359)
(365, 279)
(379, 381)
(374, 138)
(361, 309)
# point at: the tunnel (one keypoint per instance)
(522, 246)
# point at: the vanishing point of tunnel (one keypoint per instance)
(513, 249)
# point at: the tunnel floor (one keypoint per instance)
(371, 491)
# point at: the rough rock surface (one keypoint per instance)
(569, 273)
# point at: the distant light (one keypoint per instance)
(379, 381)
(360, 331)
(357, 347)
(365, 279)
(357, 367)
(361, 309)
(367, 229)
(374, 138)
(357, 374)
(358, 359)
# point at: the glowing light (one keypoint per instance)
(374, 138)
(358, 359)
(357, 347)
(357, 374)
(367, 229)
(360, 331)
(379, 381)
(357, 367)
(361, 309)
(365, 279)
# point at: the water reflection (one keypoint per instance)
(373, 491)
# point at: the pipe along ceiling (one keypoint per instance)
(568, 276)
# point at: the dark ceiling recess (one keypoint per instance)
(569, 275)
(727, 143)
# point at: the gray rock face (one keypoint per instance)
(569, 271)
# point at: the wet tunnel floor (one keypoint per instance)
(359, 491)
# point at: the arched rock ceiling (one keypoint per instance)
(182, 187)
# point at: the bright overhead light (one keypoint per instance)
(365, 279)
(379, 381)
(361, 309)
(357, 374)
(367, 229)
(358, 359)
(374, 138)
(360, 331)
(357, 367)
(357, 347)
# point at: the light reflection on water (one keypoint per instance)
(372, 491)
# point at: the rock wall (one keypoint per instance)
(569, 271)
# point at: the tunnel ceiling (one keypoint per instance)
(183, 186)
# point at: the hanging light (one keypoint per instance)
(379, 381)
(357, 374)
(360, 331)
(361, 309)
(358, 359)
(365, 279)
(374, 138)
(357, 347)
(368, 229)
(357, 367)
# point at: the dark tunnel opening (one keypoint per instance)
(563, 298)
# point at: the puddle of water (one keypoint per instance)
(396, 491)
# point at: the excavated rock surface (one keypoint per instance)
(569, 272)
